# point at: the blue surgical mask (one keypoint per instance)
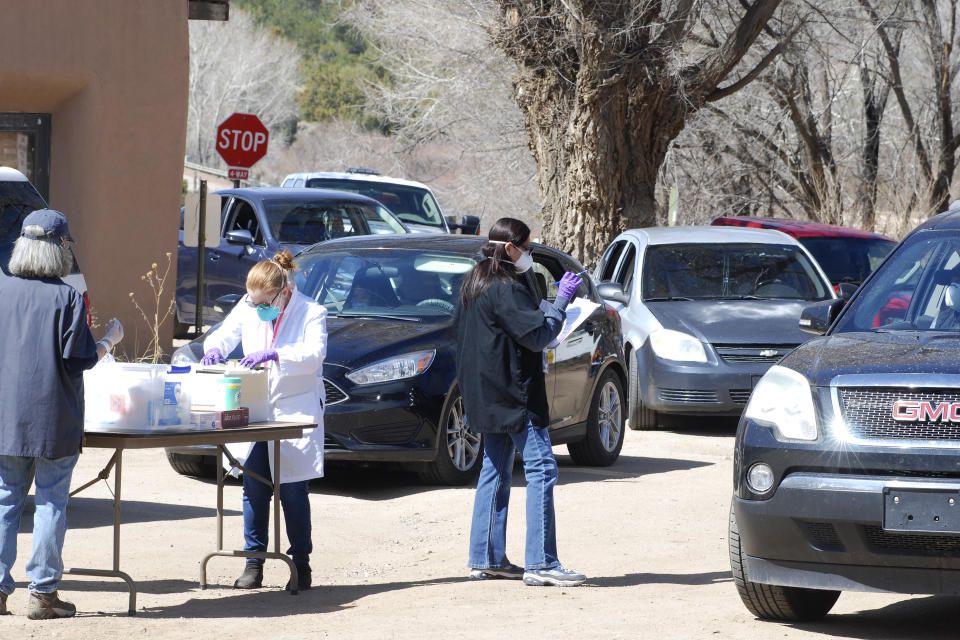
(268, 313)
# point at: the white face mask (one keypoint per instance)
(524, 263)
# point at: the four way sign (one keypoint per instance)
(241, 142)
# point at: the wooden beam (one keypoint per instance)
(209, 10)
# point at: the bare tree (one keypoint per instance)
(450, 105)
(606, 86)
(237, 66)
(934, 146)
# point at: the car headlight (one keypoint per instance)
(674, 345)
(398, 368)
(782, 400)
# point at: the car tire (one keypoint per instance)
(774, 602)
(605, 425)
(196, 466)
(642, 418)
(459, 450)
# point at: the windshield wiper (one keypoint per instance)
(668, 299)
(744, 297)
(367, 314)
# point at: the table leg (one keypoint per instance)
(116, 460)
(266, 555)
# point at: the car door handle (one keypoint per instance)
(214, 257)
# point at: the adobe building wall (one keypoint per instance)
(113, 74)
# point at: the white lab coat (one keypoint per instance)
(295, 390)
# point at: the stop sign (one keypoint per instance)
(241, 142)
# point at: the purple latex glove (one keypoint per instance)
(568, 285)
(258, 357)
(214, 356)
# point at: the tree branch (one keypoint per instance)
(710, 71)
(723, 92)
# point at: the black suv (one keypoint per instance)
(847, 461)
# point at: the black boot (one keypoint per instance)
(251, 578)
(304, 578)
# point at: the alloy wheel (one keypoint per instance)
(463, 445)
(610, 417)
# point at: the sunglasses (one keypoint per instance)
(262, 305)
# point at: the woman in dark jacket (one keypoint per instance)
(501, 334)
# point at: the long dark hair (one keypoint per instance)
(496, 263)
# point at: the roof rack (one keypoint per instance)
(363, 170)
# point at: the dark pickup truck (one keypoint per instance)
(256, 223)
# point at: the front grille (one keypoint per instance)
(912, 544)
(740, 396)
(331, 444)
(387, 433)
(753, 352)
(687, 396)
(823, 535)
(868, 414)
(334, 393)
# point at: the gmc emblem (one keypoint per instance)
(923, 411)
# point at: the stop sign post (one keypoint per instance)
(241, 142)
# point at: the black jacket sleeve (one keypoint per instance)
(539, 338)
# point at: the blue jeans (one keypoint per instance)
(295, 500)
(488, 531)
(52, 476)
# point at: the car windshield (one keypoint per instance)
(308, 222)
(737, 271)
(918, 288)
(395, 283)
(410, 204)
(846, 259)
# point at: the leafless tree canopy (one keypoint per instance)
(236, 66)
(451, 93)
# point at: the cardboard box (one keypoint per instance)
(220, 419)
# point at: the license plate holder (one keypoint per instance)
(921, 510)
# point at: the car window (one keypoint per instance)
(911, 291)
(17, 199)
(609, 260)
(288, 182)
(309, 222)
(379, 220)
(702, 271)
(848, 259)
(245, 218)
(545, 280)
(627, 268)
(388, 282)
(409, 203)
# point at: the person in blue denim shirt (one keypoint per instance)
(501, 335)
(46, 347)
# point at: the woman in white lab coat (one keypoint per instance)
(285, 331)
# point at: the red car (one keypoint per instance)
(846, 255)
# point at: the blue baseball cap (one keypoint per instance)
(52, 226)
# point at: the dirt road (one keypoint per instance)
(389, 560)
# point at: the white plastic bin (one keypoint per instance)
(121, 396)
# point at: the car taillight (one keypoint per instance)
(86, 301)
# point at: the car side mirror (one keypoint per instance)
(225, 304)
(846, 290)
(817, 318)
(612, 291)
(240, 236)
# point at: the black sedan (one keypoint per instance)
(389, 372)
